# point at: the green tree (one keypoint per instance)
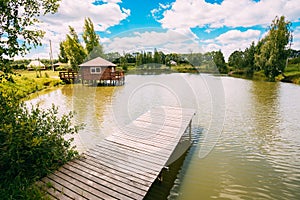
(92, 40)
(162, 57)
(156, 56)
(219, 61)
(236, 60)
(62, 57)
(74, 50)
(139, 58)
(249, 61)
(17, 18)
(273, 51)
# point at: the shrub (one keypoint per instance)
(32, 145)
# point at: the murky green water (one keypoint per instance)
(247, 134)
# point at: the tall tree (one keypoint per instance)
(156, 57)
(249, 59)
(74, 50)
(92, 40)
(62, 57)
(273, 52)
(219, 61)
(236, 60)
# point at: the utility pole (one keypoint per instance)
(51, 56)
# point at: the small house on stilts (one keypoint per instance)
(101, 72)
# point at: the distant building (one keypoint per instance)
(60, 65)
(172, 62)
(36, 64)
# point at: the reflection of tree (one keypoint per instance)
(265, 111)
(88, 103)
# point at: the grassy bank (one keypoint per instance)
(291, 74)
(28, 82)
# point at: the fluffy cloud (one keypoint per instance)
(164, 40)
(231, 13)
(296, 37)
(232, 40)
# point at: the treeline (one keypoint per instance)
(210, 60)
(270, 54)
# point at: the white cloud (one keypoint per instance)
(238, 36)
(232, 40)
(232, 13)
(166, 41)
(296, 38)
(157, 11)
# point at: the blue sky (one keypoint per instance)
(179, 26)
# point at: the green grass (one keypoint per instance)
(28, 82)
(292, 74)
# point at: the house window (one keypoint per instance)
(95, 70)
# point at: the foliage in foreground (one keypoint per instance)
(32, 144)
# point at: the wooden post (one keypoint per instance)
(190, 130)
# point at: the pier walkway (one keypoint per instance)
(125, 164)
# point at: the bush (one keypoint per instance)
(32, 145)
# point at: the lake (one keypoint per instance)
(246, 133)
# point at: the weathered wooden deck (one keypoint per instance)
(125, 164)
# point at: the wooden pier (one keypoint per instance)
(68, 77)
(125, 164)
(116, 78)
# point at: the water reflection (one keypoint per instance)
(256, 157)
(265, 113)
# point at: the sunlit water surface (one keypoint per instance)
(246, 133)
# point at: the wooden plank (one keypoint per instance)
(148, 148)
(146, 124)
(131, 149)
(124, 178)
(149, 142)
(119, 171)
(176, 116)
(69, 189)
(134, 154)
(138, 168)
(106, 181)
(129, 158)
(54, 193)
(156, 129)
(159, 137)
(146, 174)
(91, 189)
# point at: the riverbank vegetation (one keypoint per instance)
(31, 140)
(24, 83)
(272, 56)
